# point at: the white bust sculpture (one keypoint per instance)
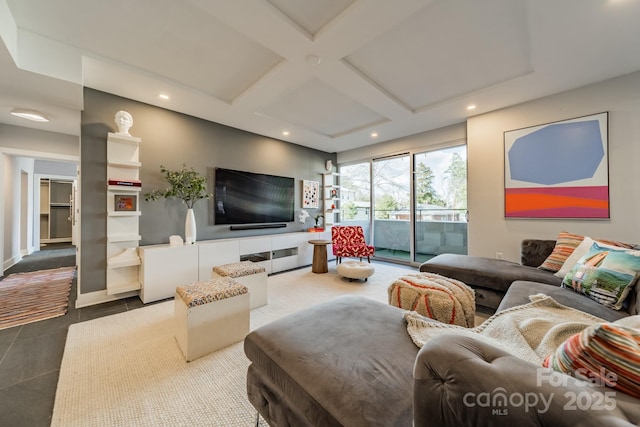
(124, 121)
(328, 165)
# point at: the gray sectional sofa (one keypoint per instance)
(350, 362)
(491, 278)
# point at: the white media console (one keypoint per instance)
(164, 267)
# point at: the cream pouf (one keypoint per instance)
(435, 296)
(251, 275)
(355, 270)
(210, 316)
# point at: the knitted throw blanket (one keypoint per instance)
(530, 331)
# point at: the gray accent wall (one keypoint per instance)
(171, 139)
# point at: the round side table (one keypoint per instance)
(320, 263)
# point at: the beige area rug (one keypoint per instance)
(127, 369)
(37, 295)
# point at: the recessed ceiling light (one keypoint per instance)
(163, 96)
(285, 133)
(374, 134)
(471, 107)
(313, 59)
(33, 115)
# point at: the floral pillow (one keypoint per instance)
(605, 275)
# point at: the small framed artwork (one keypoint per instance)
(334, 194)
(125, 202)
(310, 196)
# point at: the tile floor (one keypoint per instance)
(30, 355)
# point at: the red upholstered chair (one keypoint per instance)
(348, 241)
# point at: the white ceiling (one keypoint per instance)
(330, 72)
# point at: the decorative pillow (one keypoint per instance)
(578, 253)
(566, 243)
(606, 354)
(605, 275)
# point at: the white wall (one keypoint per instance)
(489, 232)
(13, 167)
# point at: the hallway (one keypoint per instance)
(30, 355)
(53, 255)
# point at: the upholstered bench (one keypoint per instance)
(435, 296)
(355, 270)
(251, 275)
(210, 316)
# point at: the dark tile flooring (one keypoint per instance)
(30, 355)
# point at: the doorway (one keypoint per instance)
(20, 206)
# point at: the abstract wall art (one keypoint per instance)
(558, 170)
(310, 194)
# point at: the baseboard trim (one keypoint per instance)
(100, 297)
(11, 262)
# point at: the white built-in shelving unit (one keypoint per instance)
(331, 200)
(123, 165)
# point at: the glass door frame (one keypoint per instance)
(412, 199)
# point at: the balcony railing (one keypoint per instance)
(437, 231)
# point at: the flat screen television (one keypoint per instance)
(252, 198)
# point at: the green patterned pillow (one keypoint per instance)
(605, 275)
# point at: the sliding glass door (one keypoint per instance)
(440, 194)
(391, 177)
(412, 206)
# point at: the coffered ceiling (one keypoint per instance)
(328, 72)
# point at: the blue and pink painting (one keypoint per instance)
(558, 170)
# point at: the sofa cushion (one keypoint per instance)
(534, 252)
(606, 354)
(605, 275)
(520, 290)
(484, 272)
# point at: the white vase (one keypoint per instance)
(190, 228)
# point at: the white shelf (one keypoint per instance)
(126, 139)
(123, 164)
(123, 287)
(123, 238)
(123, 263)
(124, 188)
(331, 215)
(124, 213)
